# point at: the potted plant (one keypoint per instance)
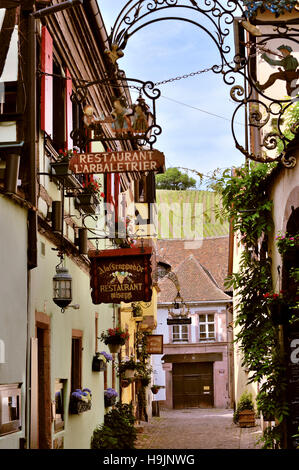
(99, 361)
(124, 383)
(155, 389)
(136, 310)
(90, 194)
(114, 338)
(127, 368)
(287, 243)
(110, 397)
(277, 306)
(61, 166)
(117, 431)
(245, 414)
(80, 401)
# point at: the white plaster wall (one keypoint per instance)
(78, 428)
(13, 305)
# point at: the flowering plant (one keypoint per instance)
(65, 155)
(106, 356)
(272, 297)
(285, 241)
(93, 187)
(82, 395)
(110, 393)
(115, 335)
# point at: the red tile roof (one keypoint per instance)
(211, 253)
(195, 283)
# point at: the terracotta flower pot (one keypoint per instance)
(114, 347)
(129, 373)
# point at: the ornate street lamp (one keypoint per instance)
(62, 287)
(178, 308)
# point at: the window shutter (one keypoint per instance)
(68, 110)
(116, 194)
(47, 82)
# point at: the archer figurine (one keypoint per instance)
(288, 72)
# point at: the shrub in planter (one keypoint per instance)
(117, 431)
(245, 404)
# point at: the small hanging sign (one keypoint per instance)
(117, 162)
(121, 275)
(154, 344)
(178, 321)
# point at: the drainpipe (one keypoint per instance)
(32, 215)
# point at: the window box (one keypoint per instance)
(80, 401)
(10, 408)
(98, 363)
(77, 406)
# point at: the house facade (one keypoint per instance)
(196, 367)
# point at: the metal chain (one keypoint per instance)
(192, 74)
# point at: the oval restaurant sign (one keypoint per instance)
(121, 275)
(117, 162)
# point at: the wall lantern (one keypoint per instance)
(62, 287)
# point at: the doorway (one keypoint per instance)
(193, 385)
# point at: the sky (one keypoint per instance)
(193, 136)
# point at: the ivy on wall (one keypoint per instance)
(246, 203)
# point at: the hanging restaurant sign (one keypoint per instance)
(117, 162)
(121, 275)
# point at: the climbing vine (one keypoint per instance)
(246, 203)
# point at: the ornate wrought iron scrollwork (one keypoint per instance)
(136, 15)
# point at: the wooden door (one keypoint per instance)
(193, 385)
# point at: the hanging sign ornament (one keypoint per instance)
(121, 275)
(118, 162)
(252, 28)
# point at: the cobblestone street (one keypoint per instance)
(196, 429)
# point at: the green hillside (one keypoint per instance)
(184, 213)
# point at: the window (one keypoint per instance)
(10, 408)
(76, 374)
(206, 327)
(180, 333)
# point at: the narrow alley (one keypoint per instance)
(197, 428)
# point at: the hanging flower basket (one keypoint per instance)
(80, 401)
(99, 362)
(155, 389)
(125, 383)
(126, 369)
(277, 307)
(114, 338)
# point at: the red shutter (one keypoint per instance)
(47, 83)
(108, 190)
(68, 111)
(116, 194)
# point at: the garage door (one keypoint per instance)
(193, 385)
